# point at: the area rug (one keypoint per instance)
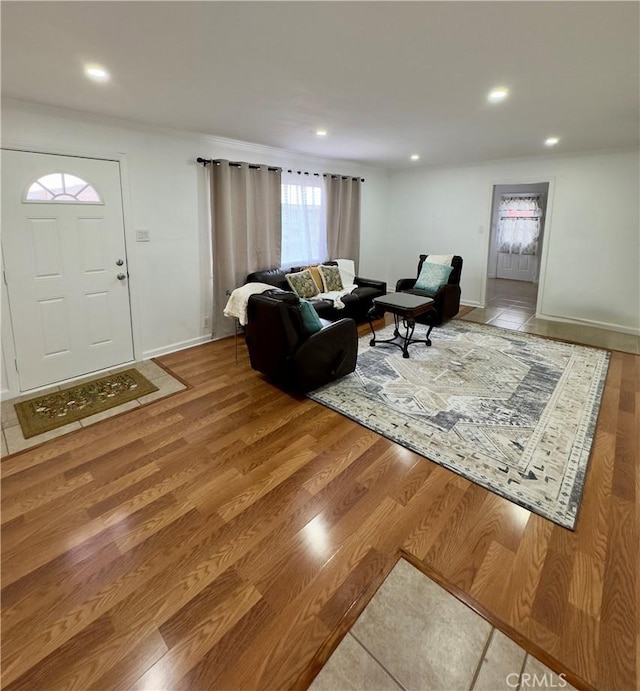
(511, 412)
(44, 413)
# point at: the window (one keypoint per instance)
(304, 226)
(519, 224)
(62, 187)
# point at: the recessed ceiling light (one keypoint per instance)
(321, 133)
(551, 141)
(415, 157)
(498, 94)
(97, 73)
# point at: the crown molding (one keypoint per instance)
(538, 158)
(326, 165)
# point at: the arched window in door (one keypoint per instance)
(62, 187)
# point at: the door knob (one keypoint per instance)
(121, 277)
(120, 262)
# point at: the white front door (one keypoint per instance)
(65, 265)
(518, 267)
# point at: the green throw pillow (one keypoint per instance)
(433, 277)
(310, 317)
(330, 277)
(302, 284)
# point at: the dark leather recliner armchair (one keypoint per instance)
(447, 299)
(281, 348)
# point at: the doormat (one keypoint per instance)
(511, 412)
(44, 413)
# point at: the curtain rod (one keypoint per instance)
(236, 164)
(206, 161)
(326, 175)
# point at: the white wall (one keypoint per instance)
(591, 250)
(590, 257)
(166, 192)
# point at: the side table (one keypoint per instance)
(405, 307)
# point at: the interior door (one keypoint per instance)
(518, 267)
(65, 265)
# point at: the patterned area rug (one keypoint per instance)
(44, 413)
(512, 412)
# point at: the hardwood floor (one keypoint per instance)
(224, 538)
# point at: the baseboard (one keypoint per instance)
(590, 322)
(607, 326)
(173, 347)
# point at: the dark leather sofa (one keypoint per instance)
(446, 300)
(356, 304)
(282, 349)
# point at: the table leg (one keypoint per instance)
(371, 315)
(396, 322)
(427, 339)
(409, 325)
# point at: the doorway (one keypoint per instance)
(517, 232)
(65, 266)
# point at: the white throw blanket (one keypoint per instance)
(336, 296)
(347, 270)
(237, 303)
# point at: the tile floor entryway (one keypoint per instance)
(512, 305)
(13, 440)
(414, 635)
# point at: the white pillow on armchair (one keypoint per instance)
(440, 259)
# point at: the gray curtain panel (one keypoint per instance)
(343, 217)
(245, 229)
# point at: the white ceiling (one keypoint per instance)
(386, 79)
